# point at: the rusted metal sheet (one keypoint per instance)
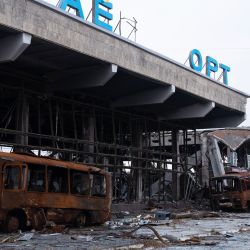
(233, 138)
(20, 207)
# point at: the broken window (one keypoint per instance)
(12, 177)
(248, 183)
(36, 178)
(243, 185)
(79, 182)
(58, 179)
(225, 185)
(232, 185)
(98, 185)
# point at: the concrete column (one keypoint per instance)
(91, 138)
(139, 172)
(139, 186)
(175, 159)
(22, 121)
(204, 161)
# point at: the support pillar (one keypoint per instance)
(91, 139)
(22, 122)
(204, 161)
(139, 194)
(139, 186)
(175, 159)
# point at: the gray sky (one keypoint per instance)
(220, 29)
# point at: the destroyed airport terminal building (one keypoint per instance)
(84, 94)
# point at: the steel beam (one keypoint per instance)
(153, 96)
(96, 76)
(197, 110)
(11, 47)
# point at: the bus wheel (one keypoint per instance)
(12, 224)
(214, 205)
(81, 220)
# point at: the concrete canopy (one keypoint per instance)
(67, 53)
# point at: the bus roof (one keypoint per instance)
(49, 162)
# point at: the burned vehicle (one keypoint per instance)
(230, 191)
(35, 190)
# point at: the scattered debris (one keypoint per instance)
(162, 215)
(54, 234)
(149, 227)
(135, 246)
(6, 239)
(82, 237)
(194, 215)
(145, 230)
(53, 228)
(26, 237)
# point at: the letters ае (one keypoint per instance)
(101, 8)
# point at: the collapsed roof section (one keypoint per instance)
(233, 138)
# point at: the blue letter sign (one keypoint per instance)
(225, 70)
(98, 6)
(211, 65)
(101, 8)
(74, 4)
(199, 59)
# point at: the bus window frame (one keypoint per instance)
(47, 180)
(26, 184)
(214, 185)
(243, 184)
(105, 180)
(21, 188)
(76, 194)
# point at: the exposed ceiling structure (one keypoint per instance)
(39, 64)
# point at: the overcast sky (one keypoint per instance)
(218, 28)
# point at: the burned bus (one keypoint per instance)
(230, 191)
(35, 190)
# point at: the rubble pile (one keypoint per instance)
(150, 229)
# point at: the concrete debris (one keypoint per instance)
(162, 215)
(229, 235)
(135, 246)
(7, 239)
(53, 228)
(129, 221)
(26, 237)
(171, 238)
(47, 235)
(82, 237)
(194, 215)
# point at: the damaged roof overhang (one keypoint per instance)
(233, 138)
(179, 97)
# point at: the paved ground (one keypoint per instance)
(229, 231)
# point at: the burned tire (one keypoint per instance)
(80, 220)
(215, 205)
(15, 220)
(12, 224)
